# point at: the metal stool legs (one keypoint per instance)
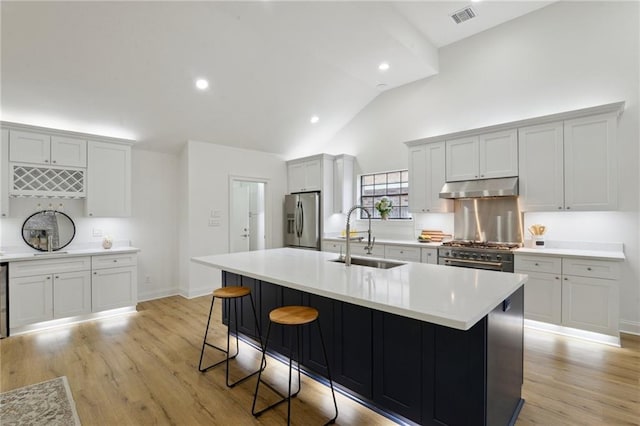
(289, 395)
(226, 351)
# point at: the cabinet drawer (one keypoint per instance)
(591, 268)
(332, 246)
(551, 265)
(411, 254)
(30, 268)
(114, 260)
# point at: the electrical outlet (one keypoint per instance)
(97, 232)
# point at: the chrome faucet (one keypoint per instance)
(370, 242)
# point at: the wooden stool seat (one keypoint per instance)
(293, 315)
(231, 292)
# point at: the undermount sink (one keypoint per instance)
(372, 263)
(50, 253)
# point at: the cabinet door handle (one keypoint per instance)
(557, 278)
(90, 214)
(48, 278)
(95, 273)
(588, 268)
(537, 264)
(46, 161)
(54, 161)
(566, 279)
(115, 260)
(57, 277)
(559, 207)
(568, 207)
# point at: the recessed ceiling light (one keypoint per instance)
(383, 66)
(314, 119)
(202, 84)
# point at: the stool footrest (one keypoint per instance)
(277, 392)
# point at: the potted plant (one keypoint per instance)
(384, 207)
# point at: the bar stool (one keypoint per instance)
(292, 316)
(227, 294)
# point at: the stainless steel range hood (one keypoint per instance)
(501, 187)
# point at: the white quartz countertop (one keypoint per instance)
(36, 255)
(448, 296)
(389, 241)
(584, 249)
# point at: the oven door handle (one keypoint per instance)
(475, 262)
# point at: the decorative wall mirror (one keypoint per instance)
(48, 229)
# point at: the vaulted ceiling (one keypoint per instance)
(127, 69)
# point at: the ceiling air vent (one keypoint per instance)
(463, 15)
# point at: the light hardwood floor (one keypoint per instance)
(141, 368)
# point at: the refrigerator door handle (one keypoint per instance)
(298, 219)
(301, 221)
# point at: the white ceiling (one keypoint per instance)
(127, 69)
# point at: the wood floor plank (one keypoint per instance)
(141, 368)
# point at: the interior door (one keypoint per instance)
(239, 220)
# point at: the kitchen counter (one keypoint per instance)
(598, 251)
(37, 255)
(452, 297)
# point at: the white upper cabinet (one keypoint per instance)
(27, 147)
(4, 173)
(462, 159)
(541, 162)
(38, 148)
(485, 156)
(498, 154)
(570, 165)
(68, 151)
(591, 163)
(305, 176)
(343, 183)
(426, 178)
(108, 180)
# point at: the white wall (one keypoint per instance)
(154, 222)
(566, 56)
(208, 169)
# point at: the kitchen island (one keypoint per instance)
(426, 343)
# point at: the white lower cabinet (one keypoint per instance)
(48, 289)
(429, 255)
(71, 294)
(411, 254)
(114, 281)
(543, 297)
(30, 300)
(580, 293)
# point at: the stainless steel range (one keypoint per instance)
(477, 255)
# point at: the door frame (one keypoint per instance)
(267, 206)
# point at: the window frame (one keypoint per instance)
(399, 197)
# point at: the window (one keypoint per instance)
(394, 185)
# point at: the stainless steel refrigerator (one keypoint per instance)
(302, 220)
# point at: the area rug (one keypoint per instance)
(48, 403)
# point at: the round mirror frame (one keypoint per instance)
(54, 212)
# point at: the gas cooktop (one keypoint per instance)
(480, 245)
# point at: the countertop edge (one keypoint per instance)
(413, 243)
(577, 253)
(25, 257)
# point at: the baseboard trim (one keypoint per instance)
(158, 294)
(630, 327)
